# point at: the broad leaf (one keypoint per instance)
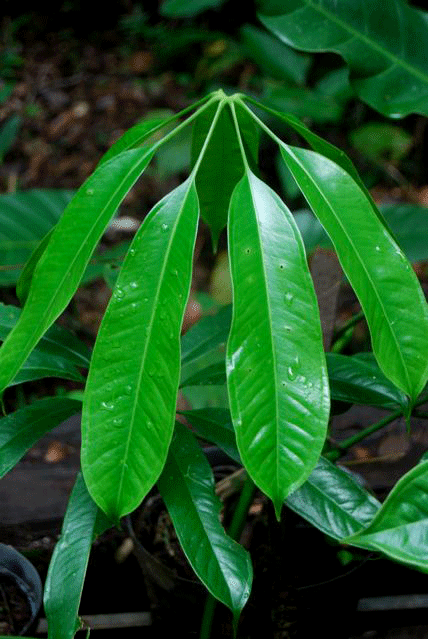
(400, 529)
(63, 588)
(214, 425)
(207, 335)
(63, 263)
(213, 374)
(25, 218)
(359, 380)
(187, 486)
(20, 430)
(333, 501)
(385, 51)
(382, 278)
(56, 342)
(129, 407)
(275, 58)
(277, 378)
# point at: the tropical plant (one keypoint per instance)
(278, 377)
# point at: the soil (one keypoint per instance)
(76, 91)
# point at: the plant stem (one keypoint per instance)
(343, 446)
(235, 530)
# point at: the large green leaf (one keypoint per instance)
(385, 50)
(275, 58)
(23, 428)
(25, 218)
(56, 342)
(277, 377)
(381, 276)
(400, 528)
(214, 425)
(359, 380)
(130, 398)
(63, 263)
(63, 588)
(221, 167)
(333, 501)
(207, 335)
(187, 487)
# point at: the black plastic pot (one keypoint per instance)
(15, 569)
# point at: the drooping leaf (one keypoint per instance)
(381, 141)
(385, 51)
(187, 485)
(20, 430)
(382, 278)
(129, 406)
(333, 501)
(213, 374)
(214, 425)
(276, 58)
(57, 341)
(63, 263)
(63, 588)
(277, 378)
(221, 167)
(25, 218)
(359, 380)
(400, 528)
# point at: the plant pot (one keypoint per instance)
(21, 592)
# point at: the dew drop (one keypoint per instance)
(248, 250)
(107, 405)
(134, 305)
(119, 293)
(282, 266)
(133, 285)
(287, 329)
(128, 389)
(377, 248)
(288, 298)
(90, 191)
(164, 227)
(117, 421)
(291, 374)
(132, 252)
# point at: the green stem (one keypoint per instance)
(343, 446)
(235, 530)
(350, 323)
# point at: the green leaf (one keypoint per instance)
(213, 374)
(57, 341)
(277, 377)
(275, 58)
(67, 569)
(206, 336)
(333, 501)
(359, 380)
(129, 407)
(400, 528)
(221, 167)
(63, 263)
(187, 8)
(382, 278)
(302, 102)
(214, 425)
(23, 428)
(385, 51)
(187, 486)
(410, 226)
(26, 218)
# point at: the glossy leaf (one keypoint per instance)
(187, 485)
(400, 528)
(57, 341)
(333, 501)
(130, 398)
(207, 335)
(25, 218)
(382, 278)
(213, 374)
(214, 183)
(214, 425)
(276, 370)
(69, 249)
(359, 380)
(20, 430)
(276, 58)
(63, 588)
(385, 51)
